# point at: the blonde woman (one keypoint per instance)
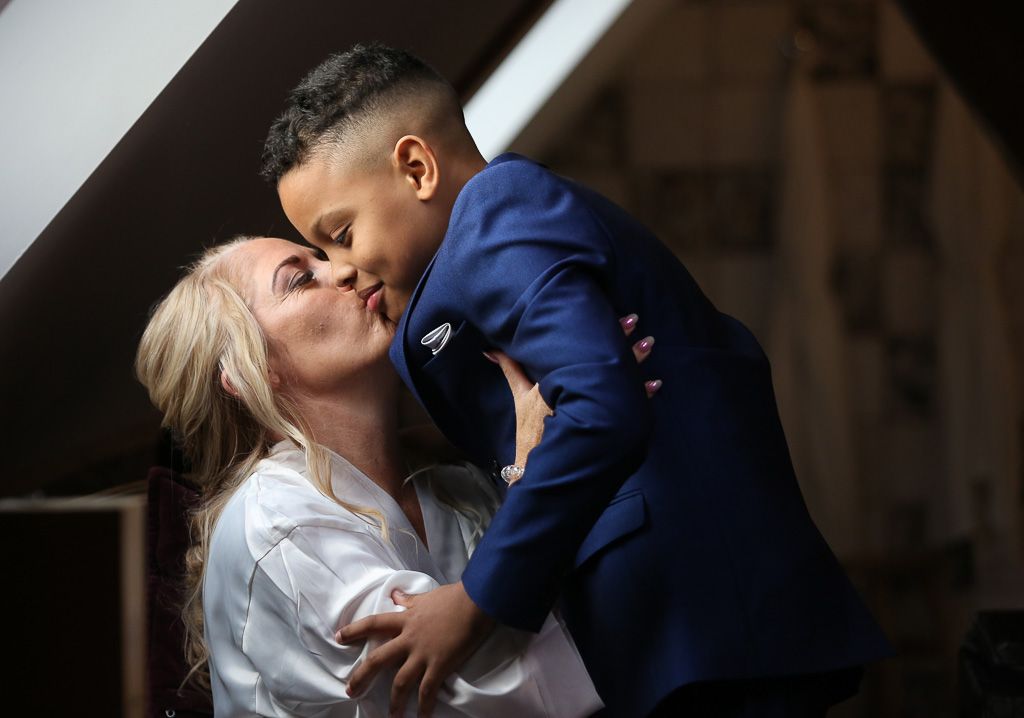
(278, 384)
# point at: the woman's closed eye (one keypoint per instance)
(300, 278)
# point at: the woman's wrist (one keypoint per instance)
(511, 473)
(521, 458)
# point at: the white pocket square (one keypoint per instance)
(436, 339)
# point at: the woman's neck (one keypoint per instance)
(364, 430)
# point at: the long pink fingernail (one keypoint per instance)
(629, 321)
(653, 385)
(646, 344)
(490, 357)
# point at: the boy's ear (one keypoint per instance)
(416, 163)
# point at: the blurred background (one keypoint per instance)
(844, 176)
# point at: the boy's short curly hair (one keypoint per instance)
(348, 88)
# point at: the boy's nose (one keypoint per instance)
(344, 275)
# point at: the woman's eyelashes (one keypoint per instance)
(300, 278)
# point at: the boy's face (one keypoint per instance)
(377, 231)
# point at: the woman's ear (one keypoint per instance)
(226, 384)
(225, 381)
(416, 163)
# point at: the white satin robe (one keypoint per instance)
(288, 566)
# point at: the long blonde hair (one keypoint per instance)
(204, 328)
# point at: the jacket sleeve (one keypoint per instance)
(536, 267)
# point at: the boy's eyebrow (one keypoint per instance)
(327, 218)
(273, 281)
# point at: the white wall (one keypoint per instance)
(74, 77)
(553, 71)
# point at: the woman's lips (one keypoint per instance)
(371, 295)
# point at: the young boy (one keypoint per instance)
(672, 533)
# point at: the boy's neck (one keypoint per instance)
(464, 169)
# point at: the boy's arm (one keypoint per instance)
(563, 329)
(534, 265)
(537, 267)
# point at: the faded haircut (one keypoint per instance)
(355, 89)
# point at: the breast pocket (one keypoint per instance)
(454, 352)
(626, 515)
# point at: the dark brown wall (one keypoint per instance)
(73, 307)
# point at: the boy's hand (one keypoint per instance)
(441, 628)
(430, 639)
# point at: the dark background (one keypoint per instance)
(73, 307)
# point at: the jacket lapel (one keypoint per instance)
(405, 357)
(398, 354)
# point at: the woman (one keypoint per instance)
(277, 382)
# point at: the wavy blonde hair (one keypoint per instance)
(203, 328)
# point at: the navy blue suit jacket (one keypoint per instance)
(672, 529)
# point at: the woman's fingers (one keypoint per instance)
(628, 323)
(642, 349)
(522, 387)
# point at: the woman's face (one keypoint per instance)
(320, 335)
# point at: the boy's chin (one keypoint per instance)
(394, 307)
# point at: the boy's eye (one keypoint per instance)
(341, 239)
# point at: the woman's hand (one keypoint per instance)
(530, 407)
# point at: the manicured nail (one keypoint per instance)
(491, 357)
(629, 321)
(645, 344)
(653, 385)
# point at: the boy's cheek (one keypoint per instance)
(399, 300)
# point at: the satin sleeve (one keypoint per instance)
(318, 578)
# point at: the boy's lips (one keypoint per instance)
(371, 295)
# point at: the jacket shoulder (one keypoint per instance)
(514, 201)
(516, 188)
